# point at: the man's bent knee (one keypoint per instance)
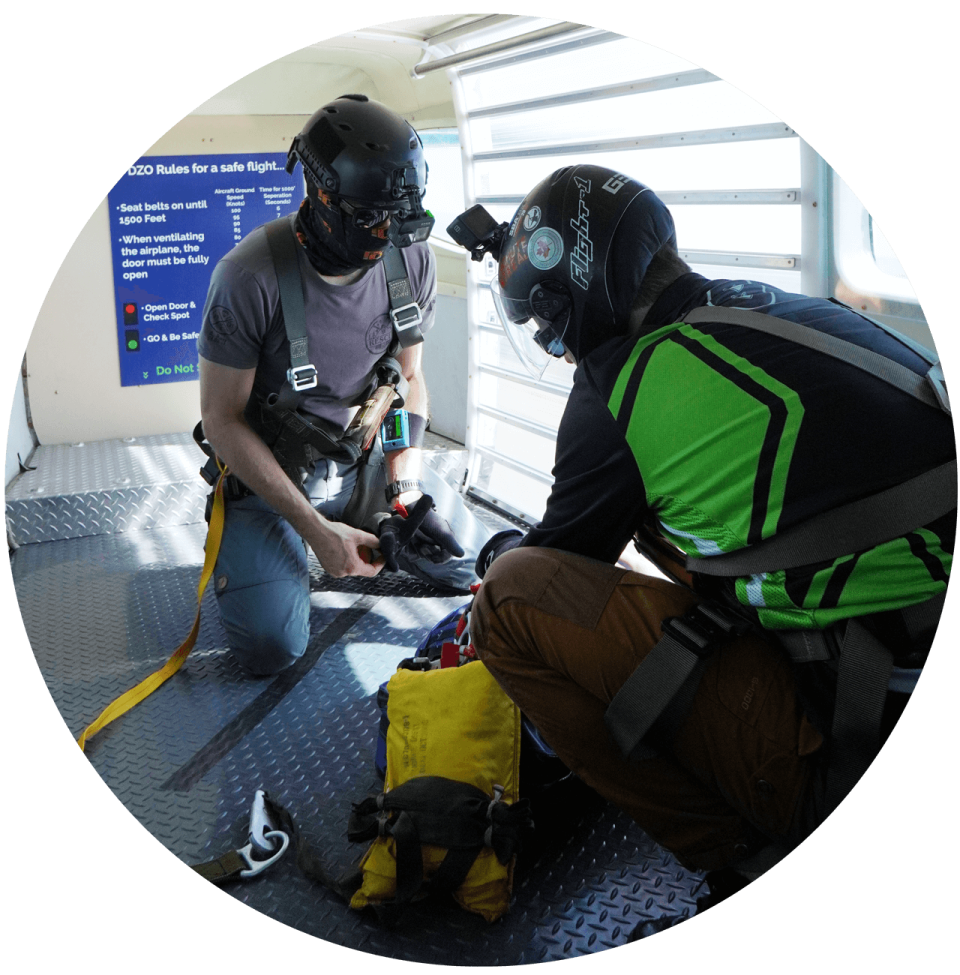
(520, 573)
(517, 577)
(267, 626)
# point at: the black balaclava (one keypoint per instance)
(333, 244)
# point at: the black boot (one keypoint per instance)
(720, 885)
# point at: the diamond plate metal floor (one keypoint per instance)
(103, 610)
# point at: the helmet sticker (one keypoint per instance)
(516, 222)
(532, 219)
(616, 183)
(582, 254)
(545, 249)
(512, 259)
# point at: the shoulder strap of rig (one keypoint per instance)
(405, 314)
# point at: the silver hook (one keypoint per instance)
(258, 866)
(261, 824)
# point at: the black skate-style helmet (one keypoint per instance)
(572, 259)
(370, 161)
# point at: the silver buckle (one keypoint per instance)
(416, 319)
(302, 377)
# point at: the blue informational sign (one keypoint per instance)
(171, 219)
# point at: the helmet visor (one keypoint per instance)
(534, 340)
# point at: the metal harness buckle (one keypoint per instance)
(406, 316)
(701, 629)
(302, 377)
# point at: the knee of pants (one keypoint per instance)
(514, 576)
(509, 576)
(267, 625)
(522, 575)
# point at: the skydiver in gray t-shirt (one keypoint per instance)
(365, 175)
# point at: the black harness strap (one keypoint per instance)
(646, 712)
(302, 374)
(891, 372)
(223, 869)
(439, 812)
(295, 438)
(405, 313)
(655, 698)
(852, 527)
(869, 521)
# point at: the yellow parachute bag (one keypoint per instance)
(449, 818)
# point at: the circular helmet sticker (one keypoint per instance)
(545, 249)
(531, 220)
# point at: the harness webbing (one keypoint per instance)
(146, 687)
(405, 313)
(293, 435)
(852, 527)
(890, 371)
(657, 695)
(659, 691)
(302, 374)
(440, 812)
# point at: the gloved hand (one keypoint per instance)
(496, 545)
(421, 531)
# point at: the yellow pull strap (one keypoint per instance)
(148, 685)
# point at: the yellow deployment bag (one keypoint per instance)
(449, 818)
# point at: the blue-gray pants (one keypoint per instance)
(261, 577)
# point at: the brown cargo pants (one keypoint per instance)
(561, 633)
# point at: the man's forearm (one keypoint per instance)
(341, 549)
(406, 464)
(250, 459)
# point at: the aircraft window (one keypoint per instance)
(444, 198)
(729, 171)
(592, 67)
(686, 109)
(865, 262)
(883, 253)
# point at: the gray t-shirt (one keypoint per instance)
(348, 326)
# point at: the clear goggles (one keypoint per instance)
(535, 340)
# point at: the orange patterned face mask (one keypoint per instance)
(328, 230)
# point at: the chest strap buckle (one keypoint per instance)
(302, 377)
(406, 316)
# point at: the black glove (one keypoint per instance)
(496, 545)
(422, 532)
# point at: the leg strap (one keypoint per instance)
(862, 684)
(656, 697)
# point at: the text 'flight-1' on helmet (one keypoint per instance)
(571, 260)
(368, 162)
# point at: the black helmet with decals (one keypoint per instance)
(572, 260)
(364, 164)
